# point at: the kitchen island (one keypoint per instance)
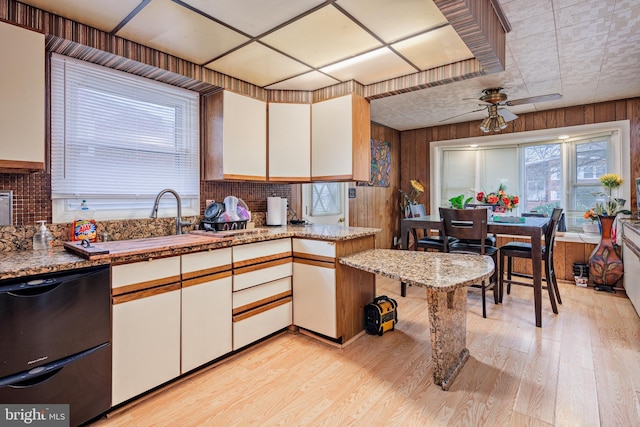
(446, 278)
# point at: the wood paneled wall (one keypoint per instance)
(377, 207)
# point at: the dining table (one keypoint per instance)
(532, 227)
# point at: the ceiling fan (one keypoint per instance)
(495, 102)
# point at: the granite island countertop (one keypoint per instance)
(434, 270)
(27, 262)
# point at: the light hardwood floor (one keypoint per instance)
(582, 368)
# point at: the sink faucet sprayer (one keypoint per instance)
(179, 222)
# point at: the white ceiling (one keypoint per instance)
(587, 50)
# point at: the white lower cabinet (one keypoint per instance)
(314, 298)
(146, 343)
(206, 320)
(206, 307)
(631, 257)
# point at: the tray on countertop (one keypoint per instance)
(101, 250)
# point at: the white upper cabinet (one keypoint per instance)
(289, 142)
(234, 137)
(22, 89)
(340, 139)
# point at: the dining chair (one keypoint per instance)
(513, 250)
(470, 225)
(491, 239)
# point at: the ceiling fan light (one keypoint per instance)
(485, 126)
(501, 122)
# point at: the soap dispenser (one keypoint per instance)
(42, 238)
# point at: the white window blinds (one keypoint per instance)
(116, 136)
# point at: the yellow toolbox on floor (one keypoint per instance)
(380, 315)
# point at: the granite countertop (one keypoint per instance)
(433, 270)
(28, 262)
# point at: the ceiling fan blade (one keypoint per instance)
(535, 99)
(506, 114)
(463, 114)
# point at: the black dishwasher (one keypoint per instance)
(55, 331)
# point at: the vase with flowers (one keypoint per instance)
(409, 200)
(500, 199)
(605, 264)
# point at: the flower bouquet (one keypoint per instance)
(500, 199)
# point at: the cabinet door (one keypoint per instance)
(631, 256)
(341, 139)
(206, 320)
(22, 89)
(146, 343)
(289, 142)
(234, 137)
(314, 298)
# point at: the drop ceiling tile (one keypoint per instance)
(585, 11)
(519, 10)
(254, 17)
(258, 64)
(171, 28)
(544, 70)
(392, 20)
(598, 26)
(625, 25)
(322, 37)
(530, 26)
(92, 13)
(435, 48)
(309, 81)
(371, 67)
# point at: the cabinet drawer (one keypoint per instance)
(319, 248)
(203, 263)
(276, 270)
(260, 252)
(253, 328)
(257, 295)
(146, 274)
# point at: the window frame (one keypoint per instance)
(133, 202)
(620, 159)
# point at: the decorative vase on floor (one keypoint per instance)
(605, 265)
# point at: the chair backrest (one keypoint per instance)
(550, 234)
(468, 224)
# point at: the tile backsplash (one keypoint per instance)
(32, 202)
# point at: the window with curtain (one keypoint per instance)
(117, 140)
(544, 174)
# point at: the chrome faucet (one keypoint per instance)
(179, 222)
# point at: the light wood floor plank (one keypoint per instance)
(579, 369)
